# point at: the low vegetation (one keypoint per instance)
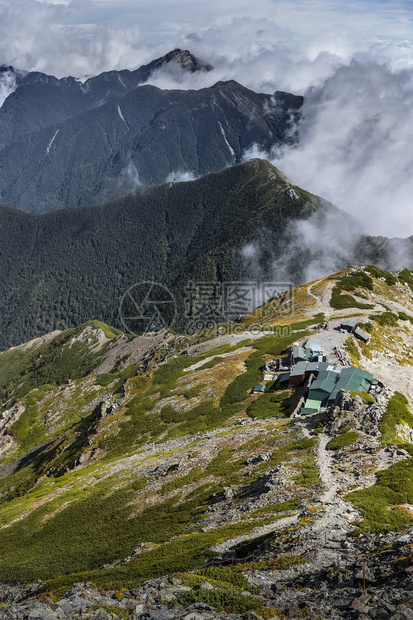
(406, 276)
(352, 349)
(397, 412)
(386, 319)
(273, 405)
(378, 273)
(381, 505)
(368, 398)
(350, 283)
(269, 345)
(343, 440)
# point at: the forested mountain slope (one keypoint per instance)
(41, 100)
(63, 268)
(69, 266)
(65, 144)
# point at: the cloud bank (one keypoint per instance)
(356, 146)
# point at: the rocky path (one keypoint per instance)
(323, 539)
(322, 298)
(325, 463)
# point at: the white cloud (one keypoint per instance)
(7, 84)
(272, 37)
(356, 146)
(180, 176)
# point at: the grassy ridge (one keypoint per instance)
(75, 523)
(351, 283)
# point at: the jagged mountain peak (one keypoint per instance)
(183, 58)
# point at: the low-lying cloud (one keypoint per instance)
(7, 84)
(356, 146)
(180, 176)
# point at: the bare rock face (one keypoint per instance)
(183, 58)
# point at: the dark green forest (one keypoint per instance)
(63, 268)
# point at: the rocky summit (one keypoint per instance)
(260, 469)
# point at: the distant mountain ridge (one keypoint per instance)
(15, 116)
(170, 233)
(182, 58)
(68, 144)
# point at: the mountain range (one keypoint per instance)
(65, 143)
(103, 148)
(251, 465)
(62, 268)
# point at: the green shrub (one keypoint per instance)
(211, 363)
(350, 283)
(405, 317)
(385, 319)
(196, 474)
(343, 440)
(368, 398)
(352, 348)
(272, 405)
(287, 506)
(227, 576)
(318, 318)
(380, 504)
(222, 465)
(166, 376)
(194, 391)
(105, 379)
(180, 555)
(204, 417)
(397, 412)
(389, 278)
(237, 391)
(230, 600)
(170, 415)
(309, 473)
(406, 276)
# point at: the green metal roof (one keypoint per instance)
(303, 367)
(325, 382)
(311, 406)
(352, 379)
(299, 369)
(362, 335)
(316, 367)
(349, 323)
(258, 388)
(299, 352)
